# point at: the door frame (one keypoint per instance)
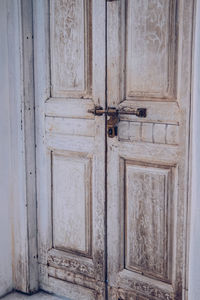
(24, 220)
(22, 124)
(193, 239)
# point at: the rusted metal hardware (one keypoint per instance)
(99, 111)
(114, 114)
(112, 126)
(139, 112)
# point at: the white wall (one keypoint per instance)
(194, 252)
(5, 160)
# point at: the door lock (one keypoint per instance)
(112, 122)
(114, 115)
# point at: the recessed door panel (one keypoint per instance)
(148, 219)
(150, 39)
(70, 47)
(71, 203)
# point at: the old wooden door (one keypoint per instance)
(69, 80)
(112, 211)
(148, 65)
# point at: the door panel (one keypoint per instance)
(70, 80)
(71, 203)
(150, 40)
(148, 207)
(71, 48)
(148, 66)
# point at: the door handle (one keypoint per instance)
(114, 115)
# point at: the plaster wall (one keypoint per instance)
(5, 160)
(194, 251)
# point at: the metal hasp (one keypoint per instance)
(114, 115)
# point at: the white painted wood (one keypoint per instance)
(70, 126)
(5, 159)
(24, 238)
(159, 133)
(19, 209)
(70, 35)
(150, 153)
(69, 290)
(193, 270)
(70, 142)
(148, 161)
(172, 134)
(71, 203)
(150, 49)
(147, 132)
(73, 262)
(158, 112)
(58, 107)
(135, 129)
(147, 219)
(22, 199)
(29, 145)
(70, 146)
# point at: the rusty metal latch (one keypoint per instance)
(99, 111)
(114, 114)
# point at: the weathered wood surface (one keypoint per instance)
(22, 208)
(5, 158)
(69, 80)
(150, 59)
(149, 64)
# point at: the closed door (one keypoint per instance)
(112, 87)
(70, 80)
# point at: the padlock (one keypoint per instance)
(112, 125)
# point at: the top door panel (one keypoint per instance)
(70, 48)
(150, 49)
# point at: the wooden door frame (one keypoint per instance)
(24, 220)
(193, 240)
(23, 202)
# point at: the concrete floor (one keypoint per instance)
(38, 296)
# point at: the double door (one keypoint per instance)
(112, 90)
